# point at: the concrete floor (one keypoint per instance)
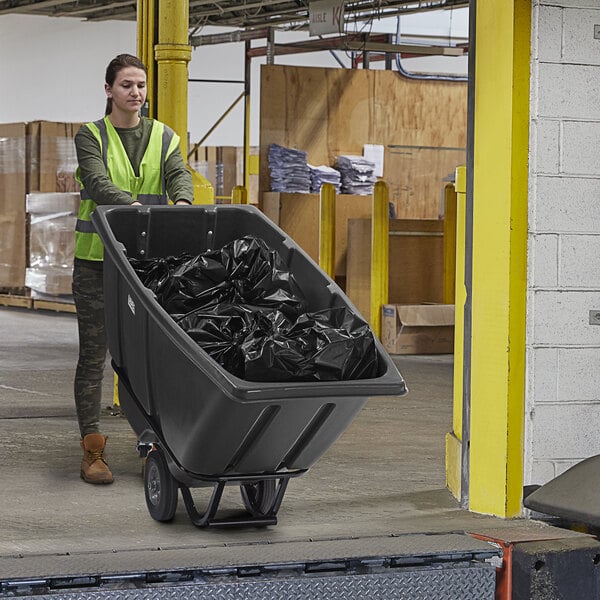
(384, 476)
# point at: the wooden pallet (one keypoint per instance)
(20, 298)
(15, 300)
(51, 305)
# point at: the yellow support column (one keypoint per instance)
(457, 221)
(145, 47)
(172, 54)
(327, 229)
(380, 227)
(498, 256)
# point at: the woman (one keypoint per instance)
(123, 159)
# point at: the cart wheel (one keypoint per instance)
(160, 487)
(259, 497)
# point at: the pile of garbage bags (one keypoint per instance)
(244, 308)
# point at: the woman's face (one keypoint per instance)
(128, 92)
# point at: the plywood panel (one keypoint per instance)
(417, 178)
(416, 262)
(328, 112)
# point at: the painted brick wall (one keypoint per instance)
(563, 349)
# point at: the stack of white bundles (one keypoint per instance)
(324, 174)
(357, 174)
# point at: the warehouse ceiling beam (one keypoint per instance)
(344, 43)
(85, 10)
(287, 12)
(226, 38)
(227, 13)
(11, 7)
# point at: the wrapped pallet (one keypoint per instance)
(34, 157)
(52, 218)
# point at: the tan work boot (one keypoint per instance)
(93, 466)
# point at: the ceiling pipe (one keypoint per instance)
(229, 37)
(422, 76)
(90, 9)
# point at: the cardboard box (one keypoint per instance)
(51, 156)
(418, 328)
(13, 174)
(12, 250)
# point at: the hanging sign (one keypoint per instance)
(326, 16)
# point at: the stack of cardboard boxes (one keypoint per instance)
(34, 157)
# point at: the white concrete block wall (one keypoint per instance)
(563, 349)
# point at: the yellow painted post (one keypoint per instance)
(327, 202)
(116, 401)
(239, 195)
(454, 438)
(172, 54)
(499, 256)
(247, 77)
(449, 243)
(379, 254)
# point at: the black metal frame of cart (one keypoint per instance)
(261, 493)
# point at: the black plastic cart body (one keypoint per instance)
(198, 424)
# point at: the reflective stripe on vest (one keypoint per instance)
(147, 188)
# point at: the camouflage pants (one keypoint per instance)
(89, 301)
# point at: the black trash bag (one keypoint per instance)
(183, 282)
(243, 271)
(328, 345)
(219, 329)
(222, 330)
(244, 308)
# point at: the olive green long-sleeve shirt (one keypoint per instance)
(135, 140)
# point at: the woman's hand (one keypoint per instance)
(183, 203)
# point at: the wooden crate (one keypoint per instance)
(416, 262)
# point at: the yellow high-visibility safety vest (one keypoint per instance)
(147, 188)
